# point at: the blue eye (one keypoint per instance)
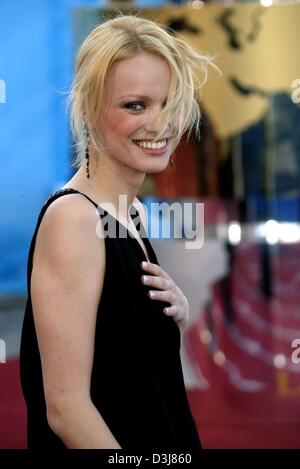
(133, 104)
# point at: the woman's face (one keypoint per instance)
(136, 91)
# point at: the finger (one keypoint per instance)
(157, 282)
(170, 310)
(166, 296)
(154, 269)
(173, 312)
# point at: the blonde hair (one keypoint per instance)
(124, 37)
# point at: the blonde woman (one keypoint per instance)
(100, 351)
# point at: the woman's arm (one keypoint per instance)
(66, 285)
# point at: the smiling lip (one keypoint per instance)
(154, 151)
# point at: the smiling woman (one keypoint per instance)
(128, 125)
(100, 350)
(187, 69)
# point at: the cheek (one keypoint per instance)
(124, 125)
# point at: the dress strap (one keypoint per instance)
(69, 190)
(135, 215)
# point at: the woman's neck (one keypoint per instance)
(106, 186)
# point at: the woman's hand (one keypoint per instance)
(167, 291)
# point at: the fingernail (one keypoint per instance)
(145, 278)
(144, 264)
(152, 294)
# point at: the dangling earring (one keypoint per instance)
(171, 161)
(87, 154)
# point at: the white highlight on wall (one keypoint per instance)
(271, 231)
(279, 360)
(266, 3)
(234, 233)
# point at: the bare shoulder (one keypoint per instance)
(68, 232)
(73, 214)
(71, 207)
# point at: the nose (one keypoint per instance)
(152, 124)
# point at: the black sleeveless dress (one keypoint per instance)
(137, 382)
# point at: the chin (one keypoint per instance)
(157, 167)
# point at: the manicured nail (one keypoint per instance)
(152, 294)
(145, 278)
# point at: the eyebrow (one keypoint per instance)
(139, 96)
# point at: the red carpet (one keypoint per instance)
(254, 386)
(12, 407)
(220, 422)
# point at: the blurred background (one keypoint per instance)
(239, 353)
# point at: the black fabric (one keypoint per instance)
(137, 382)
